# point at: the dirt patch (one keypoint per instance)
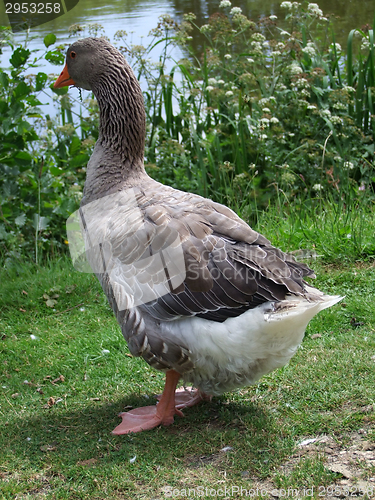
(351, 457)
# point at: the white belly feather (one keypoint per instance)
(240, 350)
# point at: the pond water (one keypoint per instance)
(141, 16)
(138, 17)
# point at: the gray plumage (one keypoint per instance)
(230, 268)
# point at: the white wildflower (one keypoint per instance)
(317, 187)
(309, 49)
(264, 122)
(348, 165)
(228, 56)
(286, 5)
(313, 8)
(205, 28)
(266, 44)
(225, 3)
(209, 88)
(335, 46)
(257, 47)
(273, 17)
(250, 60)
(258, 37)
(229, 93)
(325, 113)
(305, 93)
(280, 46)
(302, 83)
(235, 10)
(365, 44)
(340, 106)
(348, 88)
(266, 110)
(263, 102)
(337, 120)
(274, 120)
(263, 137)
(295, 69)
(212, 81)
(284, 33)
(276, 53)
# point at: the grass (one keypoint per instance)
(63, 388)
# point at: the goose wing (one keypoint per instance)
(228, 266)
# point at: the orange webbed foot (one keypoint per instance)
(143, 419)
(148, 417)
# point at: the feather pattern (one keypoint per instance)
(234, 307)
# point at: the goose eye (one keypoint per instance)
(73, 54)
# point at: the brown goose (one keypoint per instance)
(197, 293)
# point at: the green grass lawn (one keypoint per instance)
(67, 373)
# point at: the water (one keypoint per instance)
(141, 16)
(138, 17)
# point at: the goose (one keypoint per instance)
(196, 291)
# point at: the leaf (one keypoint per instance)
(40, 80)
(51, 302)
(21, 90)
(19, 57)
(56, 171)
(24, 157)
(4, 80)
(75, 146)
(3, 233)
(39, 222)
(79, 160)
(61, 91)
(33, 101)
(55, 57)
(20, 220)
(49, 39)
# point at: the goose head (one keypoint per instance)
(94, 64)
(87, 61)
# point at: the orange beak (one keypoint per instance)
(64, 79)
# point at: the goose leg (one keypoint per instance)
(148, 417)
(185, 397)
